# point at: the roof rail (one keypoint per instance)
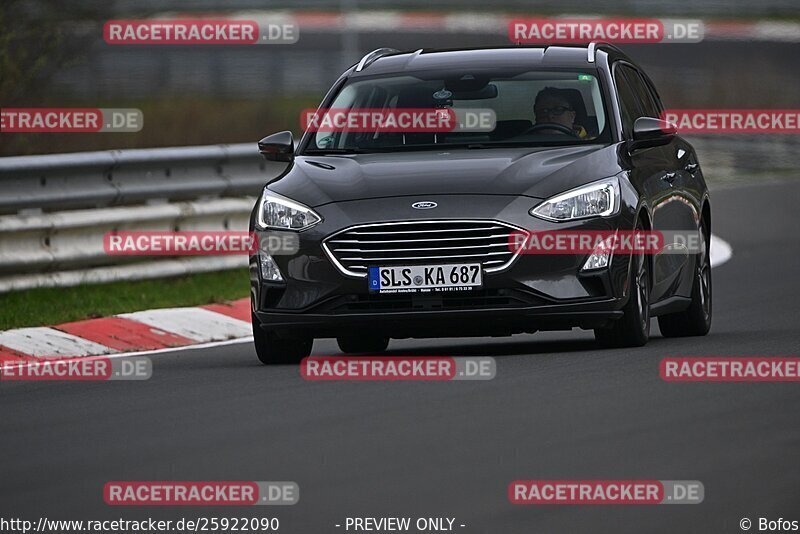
(594, 46)
(372, 56)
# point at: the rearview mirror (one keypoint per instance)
(490, 91)
(277, 147)
(650, 132)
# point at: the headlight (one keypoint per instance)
(598, 199)
(276, 211)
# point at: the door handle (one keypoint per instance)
(691, 168)
(669, 177)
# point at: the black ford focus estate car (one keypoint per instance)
(406, 234)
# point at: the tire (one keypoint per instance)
(274, 350)
(696, 319)
(354, 344)
(633, 329)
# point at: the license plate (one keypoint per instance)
(424, 278)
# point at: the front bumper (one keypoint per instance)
(451, 323)
(536, 292)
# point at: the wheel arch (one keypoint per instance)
(644, 215)
(705, 215)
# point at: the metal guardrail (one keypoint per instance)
(56, 209)
(129, 177)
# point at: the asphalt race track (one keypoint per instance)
(559, 408)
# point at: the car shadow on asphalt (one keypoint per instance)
(501, 348)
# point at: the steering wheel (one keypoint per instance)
(560, 128)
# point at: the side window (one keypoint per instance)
(627, 102)
(640, 87)
(654, 94)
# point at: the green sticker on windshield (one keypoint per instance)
(585, 77)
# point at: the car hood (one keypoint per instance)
(534, 172)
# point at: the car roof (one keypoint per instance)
(387, 61)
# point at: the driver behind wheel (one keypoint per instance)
(552, 107)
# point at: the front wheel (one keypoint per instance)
(633, 329)
(696, 319)
(273, 349)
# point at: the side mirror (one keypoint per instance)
(649, 132)
(277, 147)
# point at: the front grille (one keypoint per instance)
(357, 248)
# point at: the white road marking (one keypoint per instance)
(721, 251)
(211, 345)
(43, 342)
(198, 324)
(118, 355)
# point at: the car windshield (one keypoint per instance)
(418, 111)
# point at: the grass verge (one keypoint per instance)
(50, 306)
